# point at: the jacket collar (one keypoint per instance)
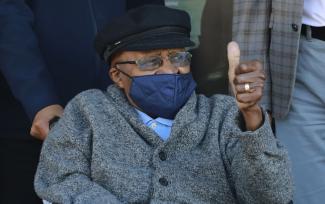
(186, 115)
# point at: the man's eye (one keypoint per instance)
(177, 58)
(149, 63)
(174, 57)
(180, 59)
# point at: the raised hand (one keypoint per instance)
(247, 82)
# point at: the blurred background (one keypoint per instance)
(211, 31)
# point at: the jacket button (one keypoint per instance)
(294, 27)
(163, 181)
(162, 156)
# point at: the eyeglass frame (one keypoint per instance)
(137, 62)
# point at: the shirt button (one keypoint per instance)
(162, 156)
(153, 125)
(294, 27)
(163, 181)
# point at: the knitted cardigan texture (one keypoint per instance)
(101, 152)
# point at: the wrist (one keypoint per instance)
(253, 117)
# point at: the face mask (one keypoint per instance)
(162, 95)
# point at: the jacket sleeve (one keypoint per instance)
(257, 163)
(21, 61)
(136, 3)
(64, 170)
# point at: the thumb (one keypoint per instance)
(40, 129)
(233, 52)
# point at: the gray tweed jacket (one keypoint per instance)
(101, 152)
(269, 31)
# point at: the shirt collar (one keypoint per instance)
(147, 119)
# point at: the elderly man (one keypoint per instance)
(150, 139)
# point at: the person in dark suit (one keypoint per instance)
(46, 57)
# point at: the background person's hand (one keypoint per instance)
(40, 127)
(247, 82)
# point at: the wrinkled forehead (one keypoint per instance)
(133, 55)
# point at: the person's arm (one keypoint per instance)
(258, 165)
(247, 82)
(64, 170)
(22, 65)
(136, 3)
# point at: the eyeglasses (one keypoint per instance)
(177, 59)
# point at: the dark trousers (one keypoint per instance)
(18, 162)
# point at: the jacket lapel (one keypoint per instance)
(188, 127)
(130, 115)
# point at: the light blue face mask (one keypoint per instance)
(162, 95)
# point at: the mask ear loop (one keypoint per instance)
(123, 72)
(137, 106)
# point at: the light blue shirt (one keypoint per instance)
(161, 126)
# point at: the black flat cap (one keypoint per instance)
(144, 28)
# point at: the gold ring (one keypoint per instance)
(247, 87)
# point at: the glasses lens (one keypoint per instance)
(180, 59)
(150, 63)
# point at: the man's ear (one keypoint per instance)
(115, 75)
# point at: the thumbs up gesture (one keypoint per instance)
(247, 82)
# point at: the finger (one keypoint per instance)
(44, 130)
(39, 129)
(35, 129)
(249, 77)
(36, 134)
(245, 106)
(33, 132)
(253, 97)
(250, 66)
(233, 54)
(240, 88)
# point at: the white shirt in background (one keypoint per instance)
(314, 13)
